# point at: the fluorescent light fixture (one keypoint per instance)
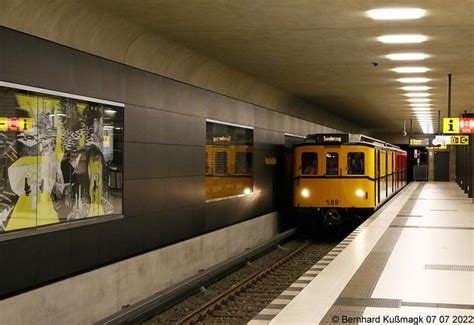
(419, 100)
(426, 126)
(417, 95)
(421, 109)
(396, 13)
(425, 114)
(413, 80)
(407, 56)
(410, 70)
(416, 88)
(420, 104)
(402, 38)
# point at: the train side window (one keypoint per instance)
(220, 163)
(309, 163)
(243, 163)
(355, 163)
(332, 163)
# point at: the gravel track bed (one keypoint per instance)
(248, 303)
(177, 312)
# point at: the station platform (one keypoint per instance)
(411, 262)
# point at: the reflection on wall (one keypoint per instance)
(61, 161)
(229, 156)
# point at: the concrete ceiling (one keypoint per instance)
(322, 50)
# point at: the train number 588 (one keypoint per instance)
(332, 202)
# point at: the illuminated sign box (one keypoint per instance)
(463, 125)
(15, 124)
(423, 142)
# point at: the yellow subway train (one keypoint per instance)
(228, 170)
(344, 175)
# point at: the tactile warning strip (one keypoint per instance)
(267, 314)
(368, 302)
(431, 227)
(450, 267)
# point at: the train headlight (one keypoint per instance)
(247, 191)
(360, 193)
(304, 193)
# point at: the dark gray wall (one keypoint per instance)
(164, 161)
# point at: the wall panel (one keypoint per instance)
(164, 162)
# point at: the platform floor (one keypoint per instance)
(412, 260)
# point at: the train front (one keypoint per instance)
(333, 180)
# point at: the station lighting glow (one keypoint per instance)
(419, 100)
(305, 193)
(410, 70)
(421, 109)
(426, 127)
(425, 114)
(407, 56)
(413, 80)
(402, 38)
(417, 95)
(420, 104)
(396, 13)
(247, 191)
(416, 88)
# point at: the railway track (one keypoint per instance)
(241, 301)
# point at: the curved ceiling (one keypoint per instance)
(318, 50)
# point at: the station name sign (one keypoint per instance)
(454, 125)
(331, 138)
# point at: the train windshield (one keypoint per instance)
(309, 165)
(332, 163)
(355, 163)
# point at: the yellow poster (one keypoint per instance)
(451, 125)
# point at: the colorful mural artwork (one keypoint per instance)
(60, 159)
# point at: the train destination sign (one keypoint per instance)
(337, 138)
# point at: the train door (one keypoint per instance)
(377, 173)
(386, 174)
(393, 171)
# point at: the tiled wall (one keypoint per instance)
(164, 184)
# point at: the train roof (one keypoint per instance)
(346, 139)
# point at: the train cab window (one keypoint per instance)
(355, 163)
(332, 163)
(309, 163)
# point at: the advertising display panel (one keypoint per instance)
(61, 157)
